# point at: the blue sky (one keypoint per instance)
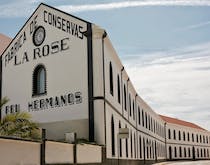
(164, 45)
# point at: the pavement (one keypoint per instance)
(199, 162)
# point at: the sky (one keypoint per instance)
(163, 44)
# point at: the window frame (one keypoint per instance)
(35, 79)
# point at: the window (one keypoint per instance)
(184, 136)
(118, 88)
(169, 133)
(146, 119)
(204, 152)
(131, 145)
(125, 98)
(111, 79)
(39, 80)
(192, 137)
(134, 110)
(149, 121)
(189, 152)
(112, 136)
(140, 147)
(130, 104)
(188, 136)
(201, 153)
(175, 152)
(185, 153)
(120, 145)
(139, 115)
(134, 145)
(142, 118)
(179, 135)
(174, 135)
(126, 145)
(180, 151)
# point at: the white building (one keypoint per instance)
(66, 73)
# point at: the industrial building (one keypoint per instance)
(65, 72)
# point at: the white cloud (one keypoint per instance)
(19, 8)
(22, 8)
(175, 83)
(126, 4)
(195, 26)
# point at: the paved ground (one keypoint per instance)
(200, 162)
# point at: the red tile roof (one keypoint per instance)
(4, 42)
(180, 122)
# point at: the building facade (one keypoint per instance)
(65, 72)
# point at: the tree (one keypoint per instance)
(18, 124)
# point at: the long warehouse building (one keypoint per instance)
(65, 72)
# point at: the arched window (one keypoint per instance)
(142, 117)
(131, 145)
(112, 136)
(174, 134)
(130, 104)
(204, 152)
(189, 153)
(140, 147)
(169, 134)
(120, 145)
(175, 152)
(151, 124)
(188, 136)
(185, 153)
(134, 116)
(180, 152)
(134, 145)
(192, 137)
(125, 98)
(146, 118)
(39, 80)
(118, 88)
(139, 115)
(126, 145)
(201, 153)
(147, 142)
(149, 121)
(184, 136)
(179, 135)
(111, 79)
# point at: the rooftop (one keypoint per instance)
(4, 42)
(180, 122)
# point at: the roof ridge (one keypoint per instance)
(180, 122)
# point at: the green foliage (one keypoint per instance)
(18, 124)
(3, 101)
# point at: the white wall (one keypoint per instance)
(188, 144)
(19, 152)
(59, 152)
(66, 70)
(89, 153)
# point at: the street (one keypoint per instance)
(200, 162)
